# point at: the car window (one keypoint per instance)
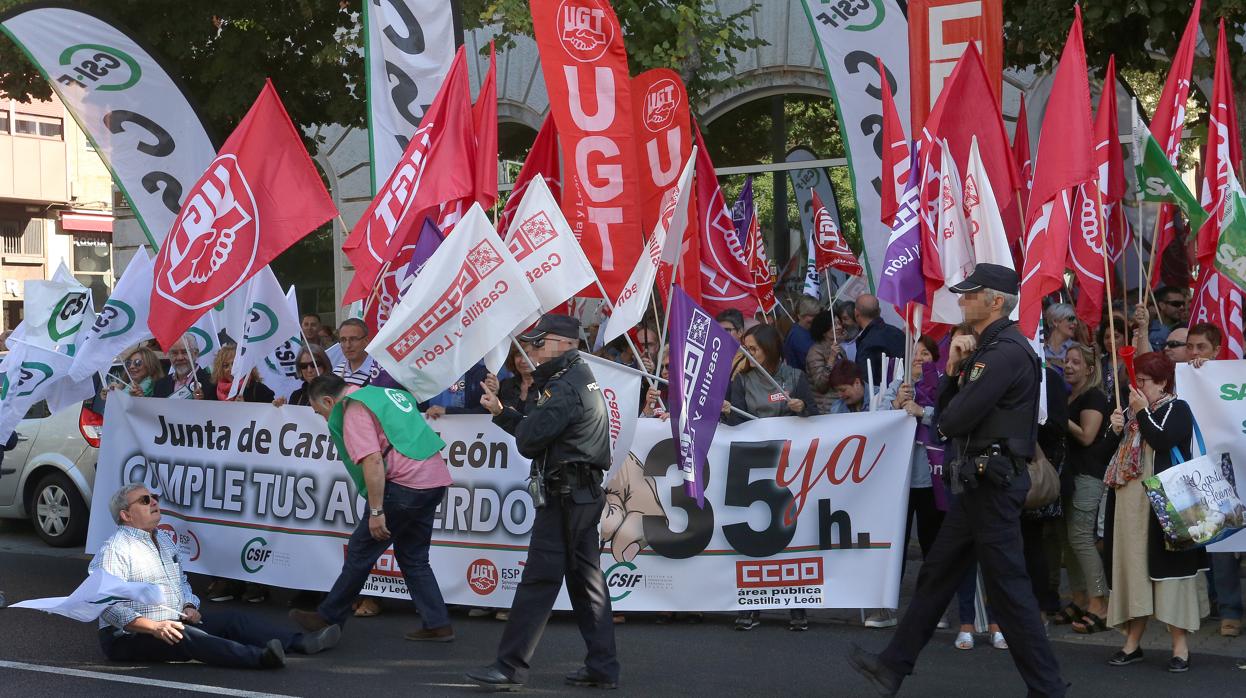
(39, 410)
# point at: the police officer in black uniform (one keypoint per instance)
(988, 404)
(566, 434)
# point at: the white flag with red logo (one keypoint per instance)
(466, 301)
(830, 249)
(620, 386)
(545, 248)
(259, 196)
(952, 241)
(633, 301)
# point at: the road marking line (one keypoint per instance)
(103, 676)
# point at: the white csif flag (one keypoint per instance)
(54, 312)
(462, 305)
(28, 374)
(96, 594)
(986, 228)
(952, 237)
(663, 247)
(270, 322)
(121, 323)
(279, 370)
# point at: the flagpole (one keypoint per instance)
(664, 381)
(1120, 215)
(1107, 289)
(307, 346)
(605, 297)
(756, 364)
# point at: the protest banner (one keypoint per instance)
(1216, 393)
(256, 492)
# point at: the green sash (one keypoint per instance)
(401, 421)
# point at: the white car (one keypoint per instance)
(48, 476)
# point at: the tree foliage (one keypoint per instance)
(223, 49)
(692, 37)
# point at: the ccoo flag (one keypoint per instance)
(701, 354)
(259, 196)
(465, 301)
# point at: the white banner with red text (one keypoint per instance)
(811, 519)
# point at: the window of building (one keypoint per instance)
(92, 258)
(22, 237)
(4, 121)
(42, 126)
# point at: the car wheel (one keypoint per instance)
(58, 512)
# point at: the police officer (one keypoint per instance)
(566, 434)
(987, 411)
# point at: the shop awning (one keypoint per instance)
(86, 223)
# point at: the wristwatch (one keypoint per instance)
(376, 512)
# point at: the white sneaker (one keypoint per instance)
(882, 619)
(964, 641)
(943, 623)
(998, 641)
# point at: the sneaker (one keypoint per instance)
(799, 621)
(943, 623)
(882, 619)
(1178, 665)
(274, 656)
(255, 593)
(221, 590)
(1123, 659)
(747, 620)
(321, 640)
(479, 612)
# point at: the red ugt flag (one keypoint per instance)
(830, 249)
(259, 196)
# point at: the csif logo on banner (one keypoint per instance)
(67, 315)
(622, 579)
(255, 554)
(31, 375)
(94, 66)
(852, 15)
(114, 313)
(262, 323)
(215, 240)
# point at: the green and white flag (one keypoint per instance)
(1158, 179)
(28, 374)
(1231, 249)
(269, 323)
(279, 370)
(97, 594)
(120, 324)
(206, 336)
(54, 312)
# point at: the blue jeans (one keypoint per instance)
(409, 516)
(225, 638)
(1227, 583)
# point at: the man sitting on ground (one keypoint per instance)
(176, 631)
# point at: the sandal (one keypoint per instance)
(1068, 615)
(1089, 624)
(366, 608)
(964, 641)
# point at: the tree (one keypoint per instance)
(692, 37)
(1142, 34)
(223, 49)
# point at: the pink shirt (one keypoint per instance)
(363, 436)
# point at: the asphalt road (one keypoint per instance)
(40, 655)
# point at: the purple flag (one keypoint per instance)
(901, 281)
(430, 240)
(742, 212)
(701, 353)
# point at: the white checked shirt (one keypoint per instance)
(130, 554)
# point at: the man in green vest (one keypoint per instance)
(395, 461)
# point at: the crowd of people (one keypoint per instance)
(1100, 534)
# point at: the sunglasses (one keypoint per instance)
(304, 365)
(145, 500)
(1174, 344)
(134, 363)
(538, 343)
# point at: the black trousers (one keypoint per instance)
(982, 524)
(225, 638)
(564, 545)
(928, 518)
(1038, 565)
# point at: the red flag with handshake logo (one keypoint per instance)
(259, 196)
